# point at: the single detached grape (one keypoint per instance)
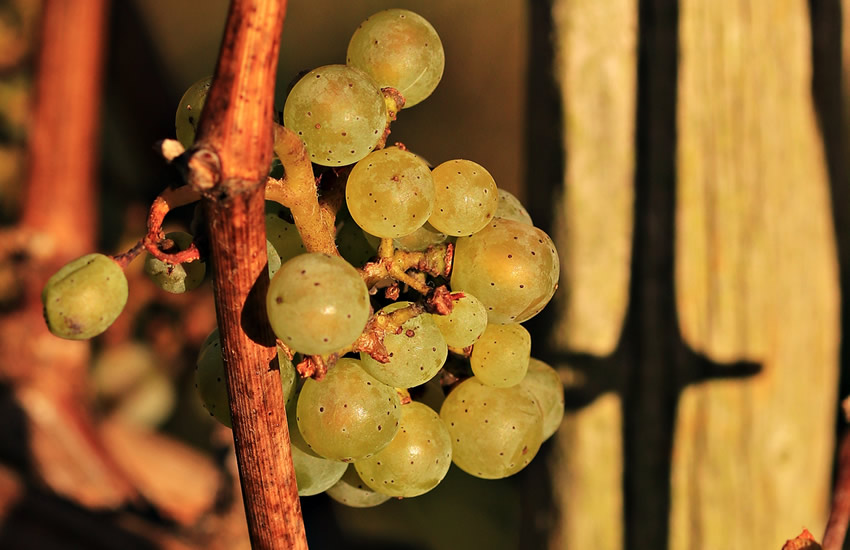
(180, 278)
(349, 415)
(464, 324)
(465, 197)
(511, 267)
(512, 209)
(189, 111)
(84, 297)
(543, 381)
(495, 431)
(317, 303)
(416, 352)
(500, 356)
(415, 461)
(339, 112)
(390, 193)
(351, 491)
(399, 49)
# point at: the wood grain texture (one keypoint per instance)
(586, 465)
(596, 68)
(756, 278)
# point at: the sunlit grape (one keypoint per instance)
(465, 197)
(511, 208)
(543, 381)
(390, 193)
(500, 356)
(417, 458)
(349, 414)
(399, 49)
(317, 303)
(465, 323)
(511, 267)
(416, 352)
(495, 431)
(339, 113)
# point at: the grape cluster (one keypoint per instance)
(426, 362)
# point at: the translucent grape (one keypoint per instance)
(417, 241)
(416, 352)
(495, 431)
(511, 267)
(317, 303)
(500, 356)
(464, 325)
(272, 258)
(179, 278)
(465, 199)
(189, 111)
(417, 458)
(212, 385)
(351, 491)
(284, 237)
(84, 297)
(511, 209)
(313, 474)
(399, 49)
(543, 381)
(390, 193)
(348, 415)
(339, 113)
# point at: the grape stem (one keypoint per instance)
(298, 192)
(167, 201)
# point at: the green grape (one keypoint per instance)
(284, 237)
(464, 325)
(399, 49)
(500, 356)
(84, 297)
(390, 193)
(417, 352)
(495, 431)
(212, 386)
(511, 209)
(543, 381)
(466, 197)
(317, 303)
(189, 111)
(349, 415)
(352, 243)
(415, 461)
(272, 258)
(180, 278)
(351, 491)
(511, 267)
(129, 384)
(417, 241)
(339, 112)
(313, 474)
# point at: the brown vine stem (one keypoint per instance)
(229, 165)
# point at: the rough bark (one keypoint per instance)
(230, 163)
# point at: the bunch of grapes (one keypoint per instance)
(410, 337)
